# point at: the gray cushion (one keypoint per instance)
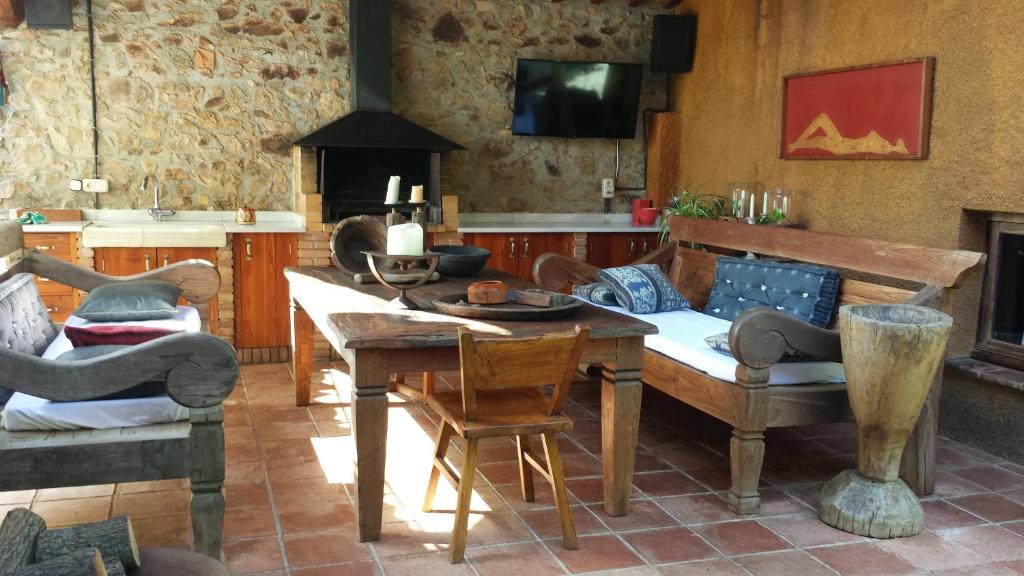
(131, 301)
(155, 387)
(25, 325)
(802, 290)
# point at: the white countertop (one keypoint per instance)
(528, 222)
(266, 222)
(56, 227)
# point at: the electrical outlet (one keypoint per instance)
(75, 185)
(93, 185)
(607, 187)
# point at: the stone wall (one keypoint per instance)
(208, 96)
(731, 106)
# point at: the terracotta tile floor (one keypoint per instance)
(289, 500)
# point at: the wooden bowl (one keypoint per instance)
(488, 292)
(354, 236)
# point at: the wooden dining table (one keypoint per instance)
(378, 338)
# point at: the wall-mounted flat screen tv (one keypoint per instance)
(576, 99)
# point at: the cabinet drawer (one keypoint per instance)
(59, 306)
(48, 287)
(55, 244)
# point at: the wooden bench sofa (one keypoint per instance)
(872, 271)
(201, 371)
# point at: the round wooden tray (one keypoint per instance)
(458, 305)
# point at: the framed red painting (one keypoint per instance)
(880, 112)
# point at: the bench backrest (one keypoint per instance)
(693, 271)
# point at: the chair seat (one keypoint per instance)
(500, 413)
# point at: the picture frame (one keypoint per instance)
(873, 112)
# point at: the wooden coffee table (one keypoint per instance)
(378, 339)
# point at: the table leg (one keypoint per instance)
(302, 353)
(369, 372)
(621, 392)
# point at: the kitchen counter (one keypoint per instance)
(56, 227)
(527, 223)
(266, 222)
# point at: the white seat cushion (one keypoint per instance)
(24, 412)
(681, 337)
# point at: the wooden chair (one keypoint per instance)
(503, 394)
(873, 271)
(201, 371)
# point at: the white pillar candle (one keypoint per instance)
(417, 195)
(393, 184)
(405, 240)
(764, 207)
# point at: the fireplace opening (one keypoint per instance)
(354, 180)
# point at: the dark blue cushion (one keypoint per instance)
(802, 290)
(598, 293)
(643, 289)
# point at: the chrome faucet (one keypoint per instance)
(156, 212)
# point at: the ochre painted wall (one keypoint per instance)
(732, 101)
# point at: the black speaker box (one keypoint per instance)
(674, 43)
(48, 14)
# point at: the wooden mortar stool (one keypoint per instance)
(891, 353)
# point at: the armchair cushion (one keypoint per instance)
(113, 335)
(129, 301)
(25, 325)
(802, 290)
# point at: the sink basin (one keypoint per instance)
(153, 234)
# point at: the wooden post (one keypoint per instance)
(206, 454)
(369, 372)
(891, 354)
(302, 353)
(621, 393)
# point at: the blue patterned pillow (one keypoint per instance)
(598, 293)
(644, 289)
(802, 290)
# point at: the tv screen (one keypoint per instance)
(576, 99)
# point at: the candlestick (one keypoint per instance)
(393, 184)
(417, 195)
(405, 240)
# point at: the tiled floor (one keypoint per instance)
(289, 488)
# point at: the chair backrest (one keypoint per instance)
(520, 363)
(693, 271)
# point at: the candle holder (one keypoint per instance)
(406, 277)
(394, 217)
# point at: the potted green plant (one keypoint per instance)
(690, 203)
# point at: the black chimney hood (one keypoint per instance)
(371, 124)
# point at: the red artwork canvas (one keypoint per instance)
(874, 112)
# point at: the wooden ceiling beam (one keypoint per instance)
(12, 13)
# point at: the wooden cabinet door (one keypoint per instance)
(534, 244)
(499, 245)
(647, 242)
(262, 318)
(167, 256)
(125, 261)
(600, 248)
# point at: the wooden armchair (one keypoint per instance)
(201, 371)
(758, 338)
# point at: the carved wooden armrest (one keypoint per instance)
(759, 337)
(554, 271)
(198, 280)
(201, 371)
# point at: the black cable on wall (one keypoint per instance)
(92, 91)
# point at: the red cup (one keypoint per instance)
(648, 216)
(639, 204)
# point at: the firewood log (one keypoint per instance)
(114, 538)
(18, 535)
(114, 568)
(84, 562)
